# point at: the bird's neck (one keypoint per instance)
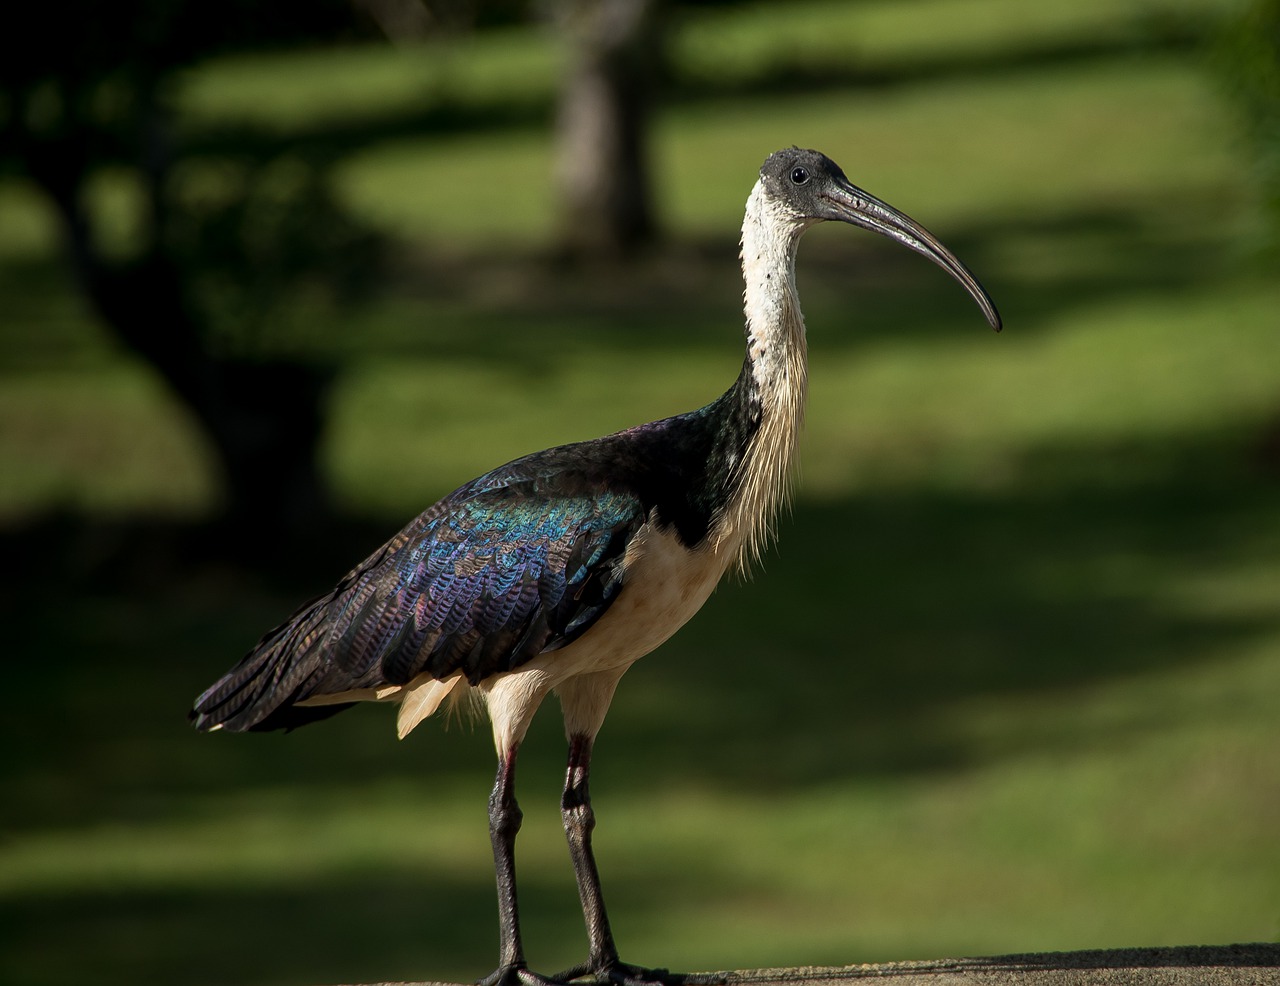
(774, 375)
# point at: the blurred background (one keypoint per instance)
(275, 277)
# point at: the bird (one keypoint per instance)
(555, 572)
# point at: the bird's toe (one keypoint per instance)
(516, 975)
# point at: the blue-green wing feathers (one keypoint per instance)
(482, 582)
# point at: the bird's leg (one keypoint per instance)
(504, 822)
(579, 819)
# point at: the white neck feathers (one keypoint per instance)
(778, 363)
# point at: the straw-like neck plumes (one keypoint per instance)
(776, 368)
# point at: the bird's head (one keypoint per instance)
(809, 187)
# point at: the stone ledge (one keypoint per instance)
(1206, 965)
(1199, 965)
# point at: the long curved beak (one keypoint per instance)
(851, 204)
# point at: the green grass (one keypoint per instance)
(59, 427)
(1009, 682)
(894, 144)
(283, 91)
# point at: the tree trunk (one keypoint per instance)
(263, 418)
(601, 168)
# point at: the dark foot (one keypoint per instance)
(516, 975)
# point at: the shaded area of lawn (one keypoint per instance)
(875, 615)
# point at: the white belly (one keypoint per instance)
(664, 585)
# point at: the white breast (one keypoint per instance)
(664, 585)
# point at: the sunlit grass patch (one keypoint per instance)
(305, 88)
(104, 439)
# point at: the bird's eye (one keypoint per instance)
(799, 176)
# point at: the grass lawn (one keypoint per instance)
(1009, 682)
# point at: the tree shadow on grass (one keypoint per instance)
(686, 297)
(873, 615)
(377, 927)
(667, 300)
(880, 618)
